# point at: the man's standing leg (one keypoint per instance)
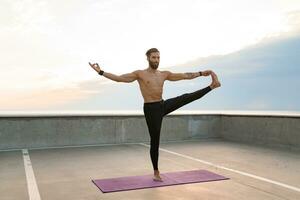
(153, 114)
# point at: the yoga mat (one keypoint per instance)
(145, 181)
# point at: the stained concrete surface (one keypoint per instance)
(12, 176)
(66, 173)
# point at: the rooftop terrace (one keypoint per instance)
(55, 155)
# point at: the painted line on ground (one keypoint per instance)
(106, 144)
(32, 187)
(229, 169)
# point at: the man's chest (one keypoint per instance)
(153, 81)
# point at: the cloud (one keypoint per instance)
(255, 78)
(260, 77)
(293, 18)
(46, 45)
(273, 52)
(52, 98)
(40, 99)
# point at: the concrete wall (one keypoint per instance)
(34, 131)
(276, 131)
(43, 131)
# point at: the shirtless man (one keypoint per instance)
(151, 81)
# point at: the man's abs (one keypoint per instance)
(151, 95)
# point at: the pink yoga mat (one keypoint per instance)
(145, 181)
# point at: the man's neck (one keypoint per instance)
(151, 70)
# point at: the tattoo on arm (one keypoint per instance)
(191, 75)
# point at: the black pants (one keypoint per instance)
(155, 111)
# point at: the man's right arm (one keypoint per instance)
(126, 78)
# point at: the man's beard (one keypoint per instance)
(153, 65)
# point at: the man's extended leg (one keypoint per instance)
(174, 103)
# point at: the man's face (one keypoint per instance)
(153, 60)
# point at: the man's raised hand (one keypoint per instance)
(95, 66)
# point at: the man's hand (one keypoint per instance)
(95, 66)
(206, 73)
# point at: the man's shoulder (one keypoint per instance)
(141, 70)
(165, 72)
(137, 71)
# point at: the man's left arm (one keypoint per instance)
(182, 76)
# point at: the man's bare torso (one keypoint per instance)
(151, 84)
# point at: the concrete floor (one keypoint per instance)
(66, 173)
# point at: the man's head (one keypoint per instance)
(153, 57)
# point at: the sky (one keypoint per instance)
(46, 46)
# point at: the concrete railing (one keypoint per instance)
(56, 129)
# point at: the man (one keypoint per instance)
(151, 83)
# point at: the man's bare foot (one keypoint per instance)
(156, 176)
(215, 82)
